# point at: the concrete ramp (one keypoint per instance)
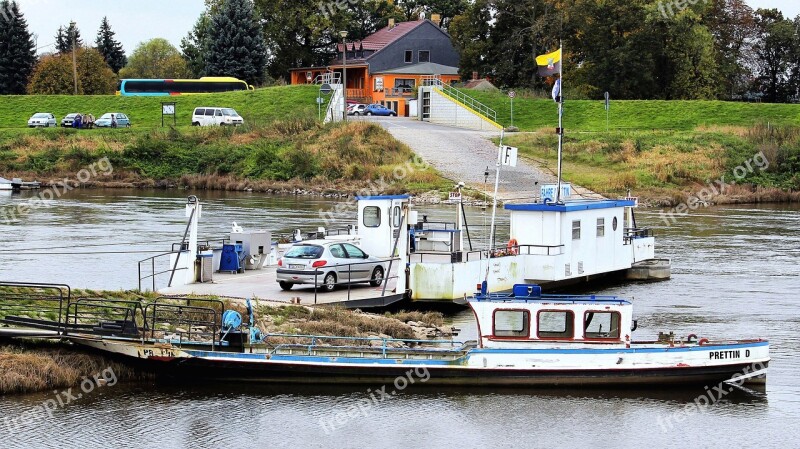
(443, 105)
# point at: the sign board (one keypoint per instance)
(608, 101)
(455, 197)
(548, 191)
(325, 89)
(512, 94)
(168, 108)
(509, 156)
(635, 200)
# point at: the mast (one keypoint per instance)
(494, 206)
(560, 118)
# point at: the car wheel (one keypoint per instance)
(377, 277)
(369, 113)
(286, 286)
(356, 113)
(196, 124)
(329, 283)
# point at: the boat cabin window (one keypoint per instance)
(372, 216)
(601, 227)
(556, 324)
(396, 216)
(576, 230)
(512, 323)
(601, 325)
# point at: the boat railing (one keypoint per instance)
(184, 320)
(482, 254)
(632, 234)
(25, 304)
(387, 345)
(571, 299)
(104, 316)
(152, 275)
(347, 270)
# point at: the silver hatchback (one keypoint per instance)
(327, 264)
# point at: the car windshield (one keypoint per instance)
(106, 117)
(305, 252)
(71, 115)
(230, 112)
(41, 115)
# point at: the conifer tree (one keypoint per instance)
(236, 46)
(109, 47)
(66, 36)
(17, 50)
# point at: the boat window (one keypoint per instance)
(396, 216)
(601, 325)
(512, 323)
(601, 227)
(372, 216)
(556, 324)
(576, 230)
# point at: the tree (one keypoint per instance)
(471, 32)
(236, 46)
(732, 24)
(53, 74)
(195, 44)
(17, 50)
(109, 47)
(67, 36)
(447, 9)
(774, 49)
(155, 59)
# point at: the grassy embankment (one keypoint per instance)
(281, 148)
(663, 150)
(41, 366)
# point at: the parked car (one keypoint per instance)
(42, 120)
(325, 264)
(377, 109)
(105, 121)
(356, 109)
(215, 116)
(67, 121)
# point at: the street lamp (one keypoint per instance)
(343, 34)
(74, 61)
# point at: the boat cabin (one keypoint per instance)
(527, 316)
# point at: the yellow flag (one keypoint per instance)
(549, 64)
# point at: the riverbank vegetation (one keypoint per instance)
(282, 156)
(665, 166)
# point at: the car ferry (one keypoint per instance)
(524, 338)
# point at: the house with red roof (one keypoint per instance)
(388, 66)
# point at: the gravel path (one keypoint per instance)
(464, 155)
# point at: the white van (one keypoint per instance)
(211, 116)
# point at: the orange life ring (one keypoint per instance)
(513, 246)
(702, 341)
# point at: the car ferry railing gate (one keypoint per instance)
(33, 304)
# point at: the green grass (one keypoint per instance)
(531, 114)
(256, 107)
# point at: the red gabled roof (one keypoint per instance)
(385, 36)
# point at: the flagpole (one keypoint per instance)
(494, 207)
(560, 118)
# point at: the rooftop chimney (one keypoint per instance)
(436, 19)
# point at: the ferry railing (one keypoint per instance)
(189, 319)
(104, 316)
(632, 234)
(319, 341)
(29, 304)
(347, 269)
(151, 263)
(499, 251)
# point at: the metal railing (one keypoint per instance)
(328, 78)
(104, 316)
(317, 342)
(195, 321)
(482, 254)
(338, 270)
(632, 234)
(28, 304)
(461, 97)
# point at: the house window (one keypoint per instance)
(555, 324)
(405, 85)
(511, 323)
(372, 216)
(601, 325)
(576, 230)
(409, 56)
(424, 56)
(378, 84)
(601, 227)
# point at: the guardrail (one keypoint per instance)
(385, 348)
(103, 316)
(498, 251)
(25, 303)
(461, 97)
(632, 234)
(196, 319)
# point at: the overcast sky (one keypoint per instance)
(136, 21)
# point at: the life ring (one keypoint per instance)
(513, 246)
(691, 338)
(702, 341)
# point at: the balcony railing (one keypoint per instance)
(356, 93)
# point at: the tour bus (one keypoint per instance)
(164, 87)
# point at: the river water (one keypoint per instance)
(736, 273)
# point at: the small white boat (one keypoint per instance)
(5, 184)
(524, 338)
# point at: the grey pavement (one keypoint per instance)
(463, 155)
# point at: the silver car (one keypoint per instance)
(42, 120)
(327, 264)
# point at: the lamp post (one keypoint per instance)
(74, 61)
(343, 34)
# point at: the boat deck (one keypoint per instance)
(262, 284)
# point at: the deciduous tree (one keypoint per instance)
(155, 59)
(54, 76)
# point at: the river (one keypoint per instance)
(736, 273)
